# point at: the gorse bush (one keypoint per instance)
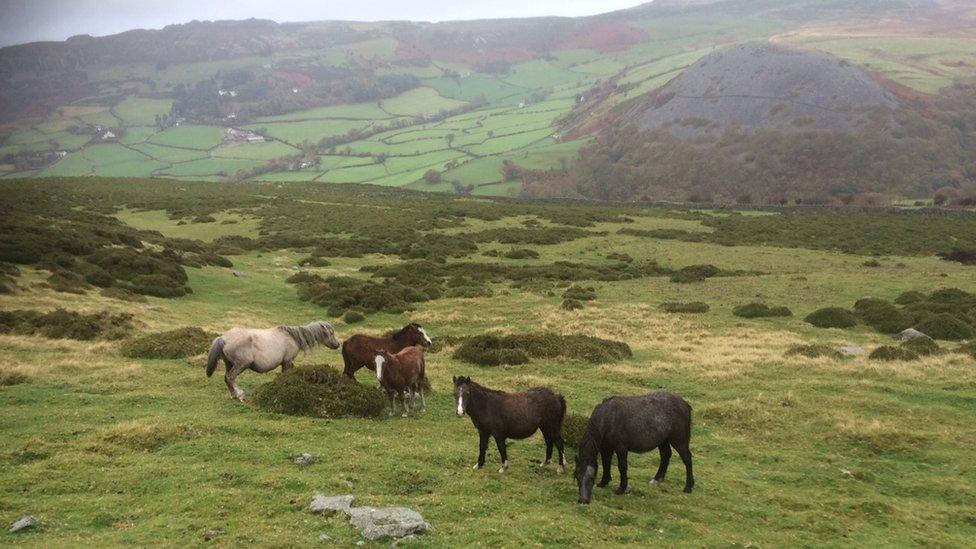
(319, 391)
(572, 304)
(341, 293)
(831, 317)
(923, 346)
(521, 253)
(695, 273)
(574, 428)
(892, 353)
(944, 326)
(814, 351)
(760, 310)
(694, 307)
(353, 316)
(63, 324)
(178, 343)
(882, 315)
(491, 350)
(580, 293)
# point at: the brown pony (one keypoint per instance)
(360, 350)
(511, 415)
(401, 373)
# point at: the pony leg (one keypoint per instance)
(230, 378)
(482, 448)
(662, 469)
(285, 366)
(622, 465)
(502, 451)
(607, 456)
(423, 399)
(548, 438)
(406, 407)
(562, 458)
(685, 454)
(392, 403)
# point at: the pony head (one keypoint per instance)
(382, 359)
(325, 333)
(413, 334)
(462, 388)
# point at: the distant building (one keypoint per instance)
(108, 135)
(254, 139)
(232, 115)
(60, 154)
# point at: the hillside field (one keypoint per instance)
(105, 449)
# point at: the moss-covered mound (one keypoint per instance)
(814, 351)
(890, 353)
(574, 427)
(319, 391)
(924, 346)
(944, 326)
(832, 317)
(760, 310)
(63, 324)
(882, 315)
(572, 304)
(178, 343)
(695, 307)
(491, 350)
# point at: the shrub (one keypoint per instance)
(123, 295)
(353, 316)
(302, 277)
(67, 281)
(924, 346)
(491, 350)
(908, 298)
(760, 310)
(61, 323)
(623, 258)
(814, 351)
(319, 391)
(871, 263)
(968, 348)
(694, 307)
(694, 273)
(521, 253)
(882, 315)
(889, 353)
(832, 317)
(203, 219)
(314, 261)
(572, 304)
(580, 293)
(178, 343)
(158, 285)
(574, 427)
(944, 326)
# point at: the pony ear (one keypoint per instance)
(454, 379)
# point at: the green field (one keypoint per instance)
(789, 451)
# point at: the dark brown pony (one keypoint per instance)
(503, 415)
(402, 373)
(360, 350)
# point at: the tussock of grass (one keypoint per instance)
(892, 353)
(880, 437)
(10, 377)
(574, 427)
(760, 310)
(814, 351)
(319, 391)
(63, 324)
(572, 304)
(142, 435)
(695, 307)
(491, 350)
(832, 317)
(178, 343)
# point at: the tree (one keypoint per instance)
(432, 177)
(510, 171)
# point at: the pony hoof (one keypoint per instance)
(404, 415)
(560, 470)
(476, 467)
(656, 482)
(687, 489)
(620, 492)
(544, 464)
(501, 470)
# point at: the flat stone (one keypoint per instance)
(909, 335)
(239, 274)
(211, 534)
(850, 350)
(387, 522)
(328, 506)
(23, 524)
(305, 460)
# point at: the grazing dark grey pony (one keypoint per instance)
(502, 415)
(266, 349)
(634, 424)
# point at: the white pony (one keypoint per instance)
(264, 350)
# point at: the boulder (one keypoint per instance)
(387, 522)
(909, 334)
(850, 350)
(305, 460)
(23, 524)
(328, 506)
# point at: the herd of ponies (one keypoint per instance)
(617, 426)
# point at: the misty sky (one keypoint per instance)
(32, 20)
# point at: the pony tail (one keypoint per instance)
(216, 350)
(562, 407)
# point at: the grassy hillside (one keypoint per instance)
(108, 449)
(404, 99)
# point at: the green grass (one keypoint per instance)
(419, 102)
(139, 111)
(191, 137)
(789, 451)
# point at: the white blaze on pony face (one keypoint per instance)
(423, 332)
(460, 408)
(379, 366)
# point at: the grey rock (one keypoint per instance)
(150, 307)
(331, 505)
(850, 350)
(305, 460)
(324, 537)
(211, 534)
(387, 522)
(239, 274)
(23, 524)
(909, 335)
(401, 541)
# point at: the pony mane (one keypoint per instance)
(397, 334)
(307, 336)
(486, 389)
